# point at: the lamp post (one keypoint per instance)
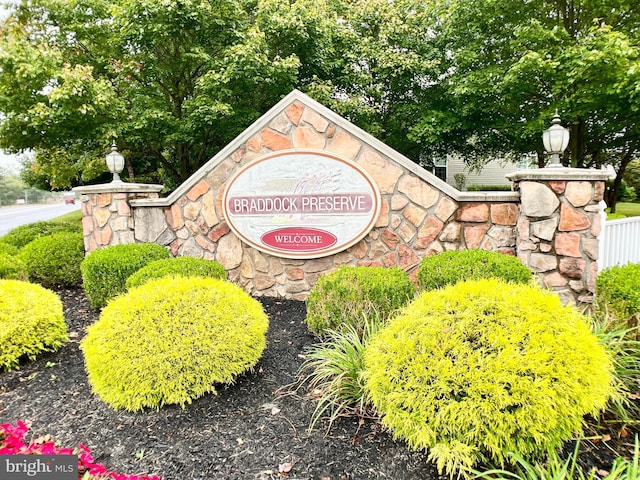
(115, 162)
(555, 140)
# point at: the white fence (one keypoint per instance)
(620, 242)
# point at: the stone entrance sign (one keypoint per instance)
(301, 204)
(302, 191)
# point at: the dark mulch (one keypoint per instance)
(246, 431)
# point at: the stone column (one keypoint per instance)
(559, 227)
(107, 218)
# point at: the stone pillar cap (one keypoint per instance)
(119, 187)
(562, 174)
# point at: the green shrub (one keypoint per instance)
(629, 195)
(489, 188)
(55, 259)
(31, 322)
(333, 370)
(24, 234)
(349, 294)
(182, 266)
(632, 175)
(618, 290)
(12, 268)
(105, 271)
(6, 249)
(448, 268)
(169, 340)
(482, 368)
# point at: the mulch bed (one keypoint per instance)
(247, 431)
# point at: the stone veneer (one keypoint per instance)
(420, 216)
(559, 226)
(106, 212)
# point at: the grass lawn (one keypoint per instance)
(625, 210)
(76, 216)
(628, 209)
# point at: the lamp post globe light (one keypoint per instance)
(115, 163)
(555, 140)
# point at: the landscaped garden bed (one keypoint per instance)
(174, 378)
(253, 429)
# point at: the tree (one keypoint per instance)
(632, 175)
(11, 188)
(171, 81)
(384, 57)
(174, 81)
(506, 66)
(173, 90)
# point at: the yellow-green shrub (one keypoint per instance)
(55, 259)
(105, 271)
(12, 268)
(449, 268)
(477, 370)
(349, 294)
(618, 290)
(169, 340)
(182, 266)
(31, 322)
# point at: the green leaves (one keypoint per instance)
(346, 296)
(180, 266)
(31, 322)
(54, 260)
(477, 370)
(105, 271)
(172, 81)
(510, 64)
(149, 349)
(449, 268)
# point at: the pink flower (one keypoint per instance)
(18, 431)
(11, 443)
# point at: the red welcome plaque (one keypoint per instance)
(299, 239)
(301, 203)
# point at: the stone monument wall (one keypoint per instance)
(554, 230)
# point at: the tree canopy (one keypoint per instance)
(509, 64)
(174, 81)
(170, 81)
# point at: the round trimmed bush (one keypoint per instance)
(105, 271)
(482, 368)
(55, 259)
(6, 249)
(449, 268)
(12, 268)
(618, 288)
(169, 340)
(31, 322)
(182, 266)
(348, 294)
(24, 234)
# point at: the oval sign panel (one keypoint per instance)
(301, 204)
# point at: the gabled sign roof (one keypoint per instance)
(367, 139)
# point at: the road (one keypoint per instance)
(16, 215)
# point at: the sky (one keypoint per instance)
(9, 163)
